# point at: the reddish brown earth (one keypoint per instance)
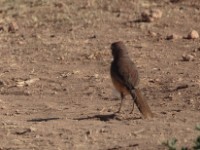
(56, 91)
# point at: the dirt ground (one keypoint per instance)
(56, 91)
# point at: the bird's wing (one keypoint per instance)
(115, 73)
(129, 74)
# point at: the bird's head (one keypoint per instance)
(119, 50)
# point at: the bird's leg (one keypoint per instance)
(134, 98)
(122, 101)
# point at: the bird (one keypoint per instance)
(125, 77)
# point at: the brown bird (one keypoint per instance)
(125, 78)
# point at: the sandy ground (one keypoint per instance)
(56, 91)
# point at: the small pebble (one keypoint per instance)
(152, 33)
(13, 27)
(151, 15)
(173, 36)
(187, 57)
(1, 28)
(193, 35)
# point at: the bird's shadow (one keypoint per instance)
(105, 117)
(43, 119)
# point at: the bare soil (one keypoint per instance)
(55, 86)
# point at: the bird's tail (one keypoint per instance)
(141, 103)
